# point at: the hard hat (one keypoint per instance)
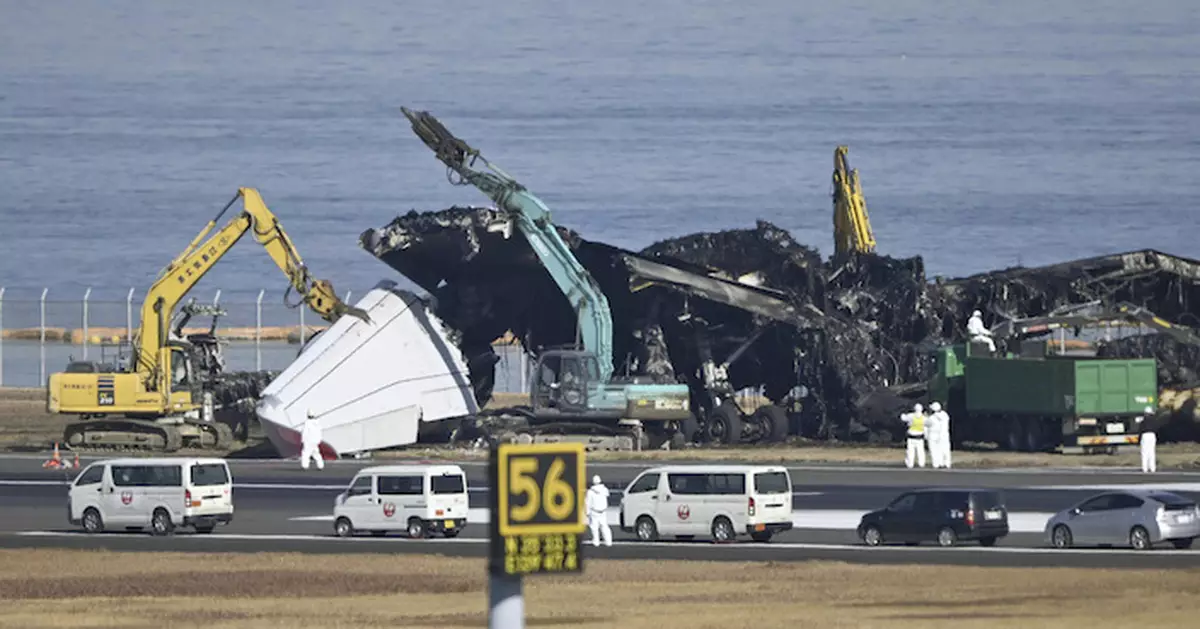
(917, 408)
(976, 314)
(596, 479)
(935, 407)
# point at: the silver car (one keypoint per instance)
(1137, 518)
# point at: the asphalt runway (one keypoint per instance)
(279, 507)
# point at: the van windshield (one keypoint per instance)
(449, 484)
(209, 474)
(771, 483)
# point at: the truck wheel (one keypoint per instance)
(947, 537)
(772, 422)
(343, 528)
(416, 528)
(722, 530)
(725, 425)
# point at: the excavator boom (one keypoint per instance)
(851, 225)
(178, 278)
(532, 217)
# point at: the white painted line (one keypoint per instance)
(825, 519)
(1191, 487)
(768, 547)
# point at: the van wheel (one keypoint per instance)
(92, 522)
(646, 530)
(946, 537)
(722, 530)
(343, 528)
(160, 523)
(1139, 538)
(1061, 537)
(872, 536)
(416, 528)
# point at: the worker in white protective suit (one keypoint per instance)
(597, 512)
(310, 442)
(1148, 441)
(978, 333)
(916, 436)
(938, 436)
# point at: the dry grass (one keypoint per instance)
(107, 589)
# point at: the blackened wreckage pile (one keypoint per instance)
(844, 343)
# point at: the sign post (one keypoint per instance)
(537, 515)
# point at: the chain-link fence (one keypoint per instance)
(41, 330)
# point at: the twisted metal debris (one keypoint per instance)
(843, 342)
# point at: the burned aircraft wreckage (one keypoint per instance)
(842, 344)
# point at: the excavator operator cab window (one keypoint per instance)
(547, 380)
(180, 369)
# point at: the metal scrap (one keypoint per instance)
(842, 343)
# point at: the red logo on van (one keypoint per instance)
(126, 497)
(683, 512)
(389, 509)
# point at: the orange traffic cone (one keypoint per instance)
(56, 460)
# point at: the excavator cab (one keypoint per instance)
(563, 380)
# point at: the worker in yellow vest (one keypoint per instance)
(916, 436)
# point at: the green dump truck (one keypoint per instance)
(1035, 403)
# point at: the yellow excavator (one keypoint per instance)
(163, 399)
(851, 226)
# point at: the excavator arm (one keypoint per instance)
(178, 278)
(851, 225)
(532, 218)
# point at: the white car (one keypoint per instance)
(721, 501)
(160, 493)
(418, 499)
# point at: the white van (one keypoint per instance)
(721, 501)
(160, 494)
(418, 499)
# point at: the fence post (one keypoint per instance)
(1, 336)
(258, 331)
(129, 319)
(87, 294)
(42, 337)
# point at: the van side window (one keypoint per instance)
(447, 484)
(401, 485)
(649, 482)
(707, 483)
(147, 476)
(209, 474)
(360, 487)
(90, 476)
